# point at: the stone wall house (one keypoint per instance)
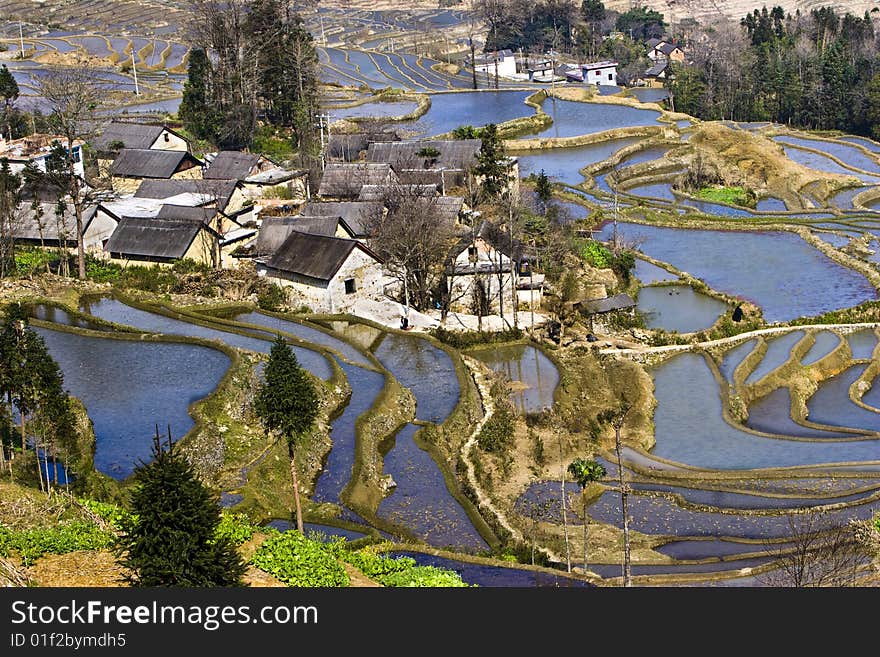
(328, 274)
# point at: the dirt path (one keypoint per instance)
(483, 500)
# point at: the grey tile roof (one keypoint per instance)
(344, 180)
(313, 256)
(132, 135)
(380, 192)
(232, 165)
(452, 153)
(355, 213)
(151, 163)
(161, 239)
(160, 188)
(26, 225)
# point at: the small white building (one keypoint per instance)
(328, 274)
(500, 62)
(35, 149)
(599, 73)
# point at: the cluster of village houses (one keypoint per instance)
(313, 239)
(550, 67)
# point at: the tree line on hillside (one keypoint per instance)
(818, 70)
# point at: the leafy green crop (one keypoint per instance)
(400, 571)
(30, 544)
(297, 561)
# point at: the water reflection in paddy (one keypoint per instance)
(531, 368)
(831, 405)
(113, 310)
(564, 164)
(421, 502)
(678, 308)
(772, 414)
(571, 118)
(426, 370)
(648, 273)
(778, 351)
(733, 357)
(129, 387)
(794, 280)
(365, 387)
(690, 429)
(307, 333)
(826, 342)
(862, 343)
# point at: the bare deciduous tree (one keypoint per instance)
(408, 233)
(820, 552)
(74, 102)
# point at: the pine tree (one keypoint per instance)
(171, 539)
(9, 94)
(543, 190)
(492, 163)
(195, 108)
(287, 404)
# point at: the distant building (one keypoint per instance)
(259, 176)
(42, 225)
(660, 50)
(344, 180)
(602, 73)
(501, 62)
(162, 240)
(35, 149)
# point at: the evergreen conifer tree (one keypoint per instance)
(171, 539)
(287, 403)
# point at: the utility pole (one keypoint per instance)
(135, 73)
(321, 119)
(20, 41)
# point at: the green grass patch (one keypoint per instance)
(730, 195)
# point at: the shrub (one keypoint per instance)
(496, 436)
(271, 297)
(298, 561)
(102, 271)
(235, 528)
(596, 254)
(465, 339)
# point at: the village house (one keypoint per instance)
(162, 240)
(490, 258)
(35, 150)
(42, 225)
(597, 310)
(602, 73)
(134, 165)
(356, 214)
(660, 50)
(329, 274)
(259, 176)
(501, 63)
(344, 180)
(657, 74)
(117, 135)
(225, 195)
(442, 162)
(274, 230)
